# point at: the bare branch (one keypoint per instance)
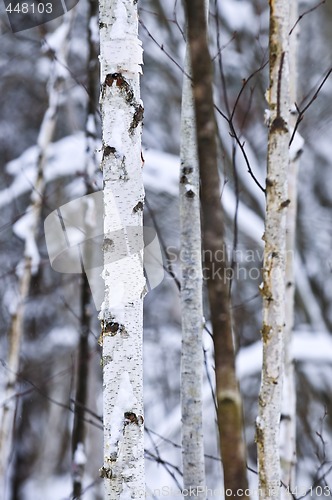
(162, 48)
(302, 111)
(305, 13)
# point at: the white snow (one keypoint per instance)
(44, 65)
(64, 158)
(267, 116)
(93, 25)
(24, 170)
(239, 15)
(56, 39)
(54, 488)
(79, 455)
(161, 172)
(296, 147)
(62, 337)
(11, 299)
(161, 175)
(306, 347)
(24, 228)
(249, 223)
(91, 124)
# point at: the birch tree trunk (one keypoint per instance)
(288, 416)
(230, 419)
(27, 229)
(122, 311)
(273, 287)
(191, 298)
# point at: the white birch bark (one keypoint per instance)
(191, 298)
(27, 229)
(122, 311)
(288, 420)
(273, 288)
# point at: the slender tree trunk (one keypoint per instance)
(79, 430)
(191, 298)
(288, 420)
(27, 228)
(230, 418)
(78, 438)
(122, 311)
(273, 289)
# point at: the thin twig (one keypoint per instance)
(302, 111)
(305, 13)
(162, 48)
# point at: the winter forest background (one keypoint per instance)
(49, 87)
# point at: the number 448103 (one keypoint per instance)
(29, 8)
(313, 491)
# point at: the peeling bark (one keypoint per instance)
(122, 309)
(273, 289)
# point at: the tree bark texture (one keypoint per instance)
(191, 298)
(230, 417)
(122, 310)
(288, 420)
(273, 287)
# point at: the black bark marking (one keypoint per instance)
(138, 207)
(122, 84)
(279, 124)
(132, 418)
(285, 204)
(108, 150)
(137, 118)
(105, 472)
(112, 328)
(190, 193)
(187, 170)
